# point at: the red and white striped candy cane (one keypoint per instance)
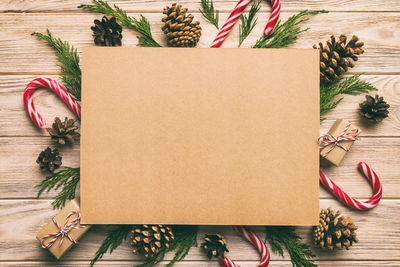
(256, 241)
(57, 88)
(351, 202)
(234, 16)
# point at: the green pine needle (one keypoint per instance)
(248, 22)
(114, 238)
(286, 33)
(141, 25)
(68, 179)
(68, 58)
(351, 85)
(208, 12)
(286, 236)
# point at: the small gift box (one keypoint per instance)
(335, 144)
(64, 230)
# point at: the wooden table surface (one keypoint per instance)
(23, 58)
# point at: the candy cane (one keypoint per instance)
(351, 202)
(234, 16)
(57, 88)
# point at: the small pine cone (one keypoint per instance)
(374, 108)
(215, 245)
(107, 32)
(64, 132)
(49, 159)
(334, 231)
(179, 27)
(148, 240)
(335, 57)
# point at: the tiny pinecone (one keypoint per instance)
(49, 159)
(180, 29)
(107, 32)
(334, 231)
(215, 245)
(64, 132)
(374, 108)
(335, 57)
(148, 240)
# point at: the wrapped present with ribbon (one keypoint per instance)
(63, 231)
(337, 142)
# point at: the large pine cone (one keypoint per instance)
(179, 27)
(107, 32)
(215, 245)
(337, 56)
(374, 108)
(49, 159)
(334, 231)
(149, 239)
(64, 132)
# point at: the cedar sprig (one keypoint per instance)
(68, 179)
(208, 12)
(114, 238)
(141, 25)
(68, 58)
(280, 237)
(185, 239)
(248, 22)
(351, 85)
(286, 33)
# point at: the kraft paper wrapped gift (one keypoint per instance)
(336, 152)
(200, 136)
(71, 209)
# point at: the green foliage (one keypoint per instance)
(248, 22)
(68, 58)
(185, 238)
(114, 238)
(141, 25)
(68, 179)
(351, 85)
(286, 236)
(286, 33)
(208, 12)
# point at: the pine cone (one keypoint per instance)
(63, 132)
(180, 29)
(149, 239)
(49, 159)
(107, 32)
(215, 245)
(374, 108)
(335, 57)
(334, 231)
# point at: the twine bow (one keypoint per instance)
(329, 140)
(63, 231)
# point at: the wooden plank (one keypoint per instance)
(21, 53)
(223, 6)
(20, 220)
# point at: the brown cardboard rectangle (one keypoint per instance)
(200, 136)
(60, 218)
(336, 155)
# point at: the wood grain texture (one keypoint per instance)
(21, 219)
(21, 53)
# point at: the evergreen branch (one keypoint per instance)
(286, 33)
(208, 12)
(247, 23)
(114, 238)
(351, 85)
(67, 178)
(68, 58)
(286, 236)
(185, 238)
(142, 25)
